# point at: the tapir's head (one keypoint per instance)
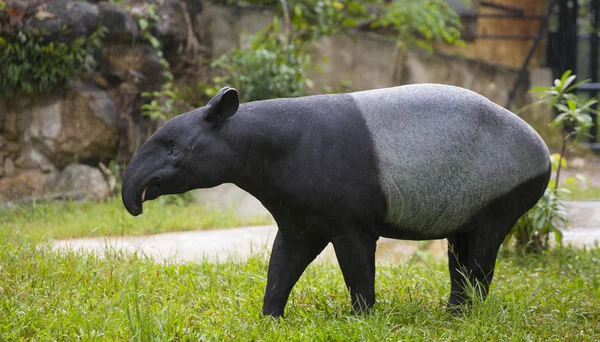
(188, 152)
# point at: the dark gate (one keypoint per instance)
(572, 28)
(573, 45)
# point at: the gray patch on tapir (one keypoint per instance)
(445, 152)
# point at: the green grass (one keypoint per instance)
(49, 295)
(78, 219)
(579, 193)
(62, 295)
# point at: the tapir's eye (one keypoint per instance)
(174, 151)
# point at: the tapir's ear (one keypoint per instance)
(222, 106)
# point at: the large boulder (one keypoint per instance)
(28, 183)
(222, 28)
(77, 178)
(122, 62)
(65, 20)
(122, 26)
(79, 125)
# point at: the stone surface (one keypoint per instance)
(222, 28)
(65, 20)
(30, 158)
(219, 245)
(123, 62)
(82, 178)
(123, 28)
(12, 147)
(172, 27)
(9, 167)
(28, 183)
(10, 128)
(230, 197)
(81, 124)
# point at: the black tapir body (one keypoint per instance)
(412, 162)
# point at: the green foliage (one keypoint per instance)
(532, 231)
(2, 5)
(270, 68)
(417, 22)
(420, 22)
(31, 64)
(313, 19)
(161, 103)
(276, 63)
(573, 113)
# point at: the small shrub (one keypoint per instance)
(270, 68)
(532, 231)
(31, 64)
(161, 103)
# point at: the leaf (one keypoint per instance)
(571, 180)
(43, 15)
(574, 86)
(567, 81)
(564, 77)
(558, 236)
(154, 42)
(143, 24)
(582, 178)
(540, 89)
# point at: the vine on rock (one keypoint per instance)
(29, 63)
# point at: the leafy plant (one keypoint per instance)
(270, 68)
(275, 65)
(31, 64)
(532, 231)
(113, 175)
(418, 23)
(573, 117)
(313, 19)
(161, 102)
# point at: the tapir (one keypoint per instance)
(414, 162)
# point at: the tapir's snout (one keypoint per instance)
(139, 184)
(132, 194)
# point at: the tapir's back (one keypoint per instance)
(445, 152)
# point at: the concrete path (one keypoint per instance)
(217, 245)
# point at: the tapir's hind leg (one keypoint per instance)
(472, 257)
(458, 260)
(472, 254)
(289, 259)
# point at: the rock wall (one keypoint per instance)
(368, 61)
(97, 117)
(53, 143)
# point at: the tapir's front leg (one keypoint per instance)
(289, 259)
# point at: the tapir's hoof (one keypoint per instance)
(457, 309)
